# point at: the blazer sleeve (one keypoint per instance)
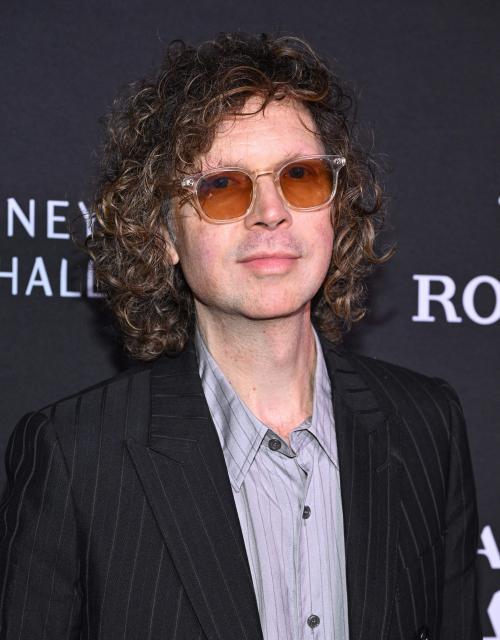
(39, 578)
(460, 619)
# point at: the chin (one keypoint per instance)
(278, 304)
(273, 311)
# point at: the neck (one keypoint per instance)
(269, 363)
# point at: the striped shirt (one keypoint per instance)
(289, 506)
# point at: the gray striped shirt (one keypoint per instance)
(289, 506)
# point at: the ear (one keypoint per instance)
(172, 254)
(170, 247)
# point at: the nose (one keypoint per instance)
(269, 209)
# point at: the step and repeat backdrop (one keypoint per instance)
(427, 80)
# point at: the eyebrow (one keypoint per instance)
(241, 162)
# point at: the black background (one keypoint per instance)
(427, 79)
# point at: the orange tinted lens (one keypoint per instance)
(307, 183)
(225, 195)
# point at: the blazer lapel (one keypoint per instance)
(184, 476)
(368, 445)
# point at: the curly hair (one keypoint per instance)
(159, 128)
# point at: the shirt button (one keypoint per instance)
(313, 621)
(274, 444)
(307, 512)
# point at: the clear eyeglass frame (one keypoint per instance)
(190, 184)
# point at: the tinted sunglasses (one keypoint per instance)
(227, 194)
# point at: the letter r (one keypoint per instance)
(444, 298)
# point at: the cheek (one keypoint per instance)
(321, 243)
(201, 259)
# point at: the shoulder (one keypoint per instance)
(92, 413)
(415, 396)
(115, 408)
(130, 383)
(427, 415)
(394, 381)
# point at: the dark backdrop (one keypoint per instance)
(427, 79)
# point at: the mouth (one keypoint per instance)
(270, 256)
(270, 263)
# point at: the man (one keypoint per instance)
(253, 479)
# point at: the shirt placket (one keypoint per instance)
(309, 580)
(285, 457)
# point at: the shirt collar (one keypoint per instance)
(240, 432)
(323, 422)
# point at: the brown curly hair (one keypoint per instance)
(157, 130)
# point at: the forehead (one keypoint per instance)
(284, 129)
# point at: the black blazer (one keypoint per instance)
(118, 520)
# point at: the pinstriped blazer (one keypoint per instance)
(118, 519)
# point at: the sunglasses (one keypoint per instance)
(227, 194)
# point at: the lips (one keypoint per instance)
(270, 256)
(265, 264)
